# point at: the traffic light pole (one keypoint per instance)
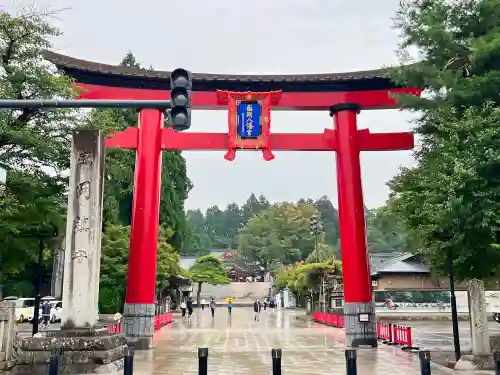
(38, 286)
(83, 103)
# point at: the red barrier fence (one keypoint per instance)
(116, 328)
(160, 321)
(392, 334)
(333, 320)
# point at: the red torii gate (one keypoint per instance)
(344, 96)
(150, 138)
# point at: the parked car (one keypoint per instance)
(24, 307)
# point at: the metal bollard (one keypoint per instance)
(425, 362)
(128, 361)
(203, 361)
(496, 358)
(351, 365)
(276, 358)
(55, 361)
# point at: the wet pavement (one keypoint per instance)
(438, 336)
(240, 345)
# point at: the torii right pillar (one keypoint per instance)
(359, 308)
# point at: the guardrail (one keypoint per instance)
(334, 320)
(388, 333)
(392, 334)
(159, 321)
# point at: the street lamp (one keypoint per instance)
(316, 229)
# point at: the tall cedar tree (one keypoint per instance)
(449, 200)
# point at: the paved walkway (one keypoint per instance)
(240, 345)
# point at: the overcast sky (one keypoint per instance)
(285, 36)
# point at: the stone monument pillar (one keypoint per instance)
(82, 258)
(87, 348)
(481, 358)
(479, 327)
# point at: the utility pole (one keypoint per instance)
(454, 313)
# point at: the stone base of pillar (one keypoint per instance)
(138, 319)
(84, 352)
(360, 333)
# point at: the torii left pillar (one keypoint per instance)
(359, 309)
(139, 309)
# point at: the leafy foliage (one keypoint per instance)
(34, 144)
(120, 174)
(220, 229)
(208, 269)
(114, 261)
(281, 233)
(448, 201)
(301, 278)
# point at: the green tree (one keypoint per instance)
(449, 200)
(279, 234)
(120, 174)
(329, 218)
(253, 206)
(215, 227)
(233, 221)
(34, 143)
(385, 232)
(198, 241)
(208, 269)
(302, 277)
(114, 265)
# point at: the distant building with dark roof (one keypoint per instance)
(400, 271)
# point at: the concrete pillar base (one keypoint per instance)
(138, 322)
(359, 333)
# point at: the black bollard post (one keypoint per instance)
(128, 361)
(276, 358)
(496, 358)
(425, 362)
(55, 361)
(350, 362)
(202, 361)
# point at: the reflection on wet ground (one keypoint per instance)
(240, 345)
(436, 336)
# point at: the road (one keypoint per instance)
(438, 335)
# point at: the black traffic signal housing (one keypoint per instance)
(180, 99)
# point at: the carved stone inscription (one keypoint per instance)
(84, 158)
(83, 190)
(83, 231)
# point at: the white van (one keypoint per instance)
(24, 307)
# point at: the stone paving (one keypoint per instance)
(240, 345)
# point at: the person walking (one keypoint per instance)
(229, 306)
(203, 303)
(46, 313)
(190, 307)
(257, 306)
(183, 308)
(212, 306)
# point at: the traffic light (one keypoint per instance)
(180, 98)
